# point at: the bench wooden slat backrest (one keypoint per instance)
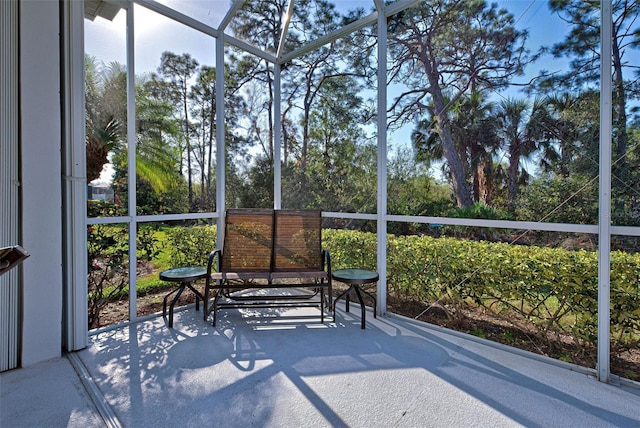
(248, 241)
(280, 247)
(297, 241)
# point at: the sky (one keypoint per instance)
(155, 34)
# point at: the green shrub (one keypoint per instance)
(108, 258)
(148, 244)
(108, 270)
(190, 246)
(98, 208)
(553, 289)
(350, 248)
(479, 210)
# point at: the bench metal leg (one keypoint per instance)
(322, 305)
(216, 297)
(205, 303)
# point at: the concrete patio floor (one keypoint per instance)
(272, 368)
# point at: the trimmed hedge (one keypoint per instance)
(552, 288)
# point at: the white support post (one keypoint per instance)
(604, 217)
(277, 138)
(131, 164)
(220, 137)
(75, 320)
(382, 162)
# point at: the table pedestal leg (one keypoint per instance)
(375, 304)
(346, 294)
(178, 292)
(362, 310)
(343, 294)
(198, 295)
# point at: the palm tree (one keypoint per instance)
(521, 128)
(473, 134)
(100, 141)
(574, 130)
(105, 113)
(473, 128)
(106, 119)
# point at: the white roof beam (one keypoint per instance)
(348, 29)
(285, 27)
(206, 29)
(179, 17)
(379, 5)
(249, 48)
(399, 6)
(230, 14)
(317, 43)
(103, 8)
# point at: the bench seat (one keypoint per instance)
(267, 249)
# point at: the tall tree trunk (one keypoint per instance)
(308, 99)
(212, 130)
(620, 110)
(305, 136)
(187, 142)
(512, 184)
(477, 156)
(285, 142)
(463, 194)
(486, 184)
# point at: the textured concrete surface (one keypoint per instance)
(48, 394)
(273, 368)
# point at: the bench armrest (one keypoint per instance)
(213, 263)
(214, 255)
(326, 261)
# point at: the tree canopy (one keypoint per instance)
(449, 63)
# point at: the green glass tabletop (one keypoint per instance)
(189, 273)
(355, 276)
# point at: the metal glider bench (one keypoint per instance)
(269, 249)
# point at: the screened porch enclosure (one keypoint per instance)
(485, 168)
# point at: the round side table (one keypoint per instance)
(183, 275)
(354, 278)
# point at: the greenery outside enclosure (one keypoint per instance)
(487, 158)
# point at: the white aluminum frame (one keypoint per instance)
(131, 164)
(604, 229)
(604, 216)
(75, 193)
(381, 208)
(220, 137)
(277, 136)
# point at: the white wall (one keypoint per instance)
(41, 180)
